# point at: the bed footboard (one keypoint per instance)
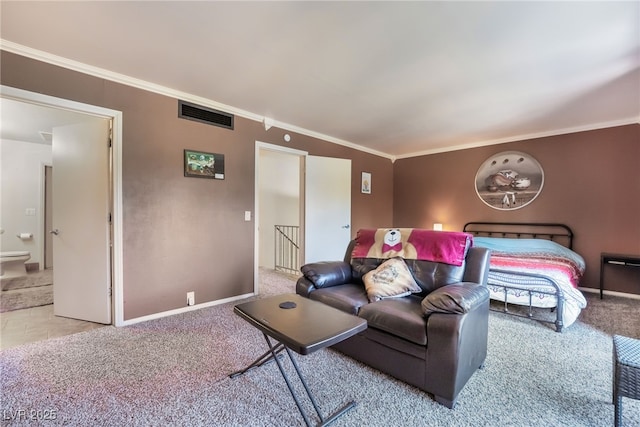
(522, 281)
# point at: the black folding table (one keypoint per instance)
(304, 326)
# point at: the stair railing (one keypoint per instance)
(287, 248)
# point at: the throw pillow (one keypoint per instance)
(391, 279)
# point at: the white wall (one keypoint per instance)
(279, 200)
(21, 188)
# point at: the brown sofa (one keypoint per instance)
(435, 339)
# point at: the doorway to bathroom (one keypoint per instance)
(49, 246)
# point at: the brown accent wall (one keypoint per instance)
(189, 234)
(592, 183)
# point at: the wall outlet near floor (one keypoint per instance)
(191, 298)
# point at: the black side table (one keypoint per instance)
(626, 373)
(616, 259)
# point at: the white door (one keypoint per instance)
(327, 208)
(81, 256)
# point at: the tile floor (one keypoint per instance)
(37, 324)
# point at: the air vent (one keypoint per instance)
(201, 114)
(47, 137)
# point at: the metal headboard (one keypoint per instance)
(559, 233)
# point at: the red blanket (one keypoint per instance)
(412, 243)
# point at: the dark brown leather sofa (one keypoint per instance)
(434, 340)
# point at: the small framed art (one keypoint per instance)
(366, 183)
(199, 164)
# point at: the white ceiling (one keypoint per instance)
(26, 122)
(400, 78)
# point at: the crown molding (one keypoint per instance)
(524, 137)
(328, 138)
(162, 90)
(118, 78)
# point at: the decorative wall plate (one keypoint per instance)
(509, 180)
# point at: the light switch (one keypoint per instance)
(247, 215)
(30, 211)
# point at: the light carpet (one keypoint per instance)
(174, 371)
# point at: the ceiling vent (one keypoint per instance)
(201, 114)
(47, 137)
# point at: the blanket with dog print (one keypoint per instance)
(413, 243)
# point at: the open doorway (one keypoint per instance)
(40, 248)
(28, 300)
(316, 191)
(278, 215)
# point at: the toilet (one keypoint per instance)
(12, 264)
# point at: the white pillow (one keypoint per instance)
(391, 279)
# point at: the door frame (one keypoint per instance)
(116, 178)
(43, 198)
(302, 155)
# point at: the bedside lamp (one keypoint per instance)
(437, 226)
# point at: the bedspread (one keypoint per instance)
(535, 256)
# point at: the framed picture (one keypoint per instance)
(366, 183)
(509, 180)
(199, 164)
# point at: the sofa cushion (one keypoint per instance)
(398, 316)
(348, 298)
(396, 343)
(391, 279)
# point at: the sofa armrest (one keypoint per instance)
(458, 298)
(456, 348)
(304, 287)
(327, 274)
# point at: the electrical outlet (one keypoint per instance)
(191, 298)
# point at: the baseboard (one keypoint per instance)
(182, 310)
(612, 293)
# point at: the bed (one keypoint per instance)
(533, 265)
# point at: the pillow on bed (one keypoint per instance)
(391, 279)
